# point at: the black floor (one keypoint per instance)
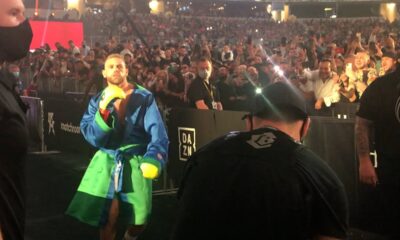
(52, 181)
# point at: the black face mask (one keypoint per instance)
(15, 41)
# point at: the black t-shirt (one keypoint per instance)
(200, 90)
(259, 183)
(226, 92)
(13, 150)
(378, 104)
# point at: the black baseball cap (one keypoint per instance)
(389, 54)
(279, 97)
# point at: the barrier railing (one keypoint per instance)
(34, 118)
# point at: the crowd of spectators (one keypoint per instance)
(329, 60)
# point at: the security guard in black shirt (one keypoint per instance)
(15, 38)
(262, 184)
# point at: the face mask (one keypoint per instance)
(204, 74)
(16, 74)
(15, 41)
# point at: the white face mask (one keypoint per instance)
(16, 74)
(204, 74)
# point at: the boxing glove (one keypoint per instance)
(110, 93)
(149, 170)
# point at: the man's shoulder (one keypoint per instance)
(383, 83)
(388, 79)
(197, 82)
(222, 143)
(196, 85)
(142, 90)
(315, 168)
(254, 143)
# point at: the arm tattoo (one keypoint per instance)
(363, 133)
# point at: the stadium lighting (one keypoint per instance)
(391, 6)
(153, 5)
(72, 2)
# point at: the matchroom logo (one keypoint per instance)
(50, 119)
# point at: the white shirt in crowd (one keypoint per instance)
(328, 90)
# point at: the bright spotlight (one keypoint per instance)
(258, 90)
(391, 6)
(153, 5)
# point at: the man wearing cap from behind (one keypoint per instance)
(262, 182)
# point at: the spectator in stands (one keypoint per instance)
(15, 39)
(305, 87)
(374, 51)
(81, 74)
(59, 47)
(388, 42)
(124, 122)
(263, 182)
(73, 49)
(166, 58)
(202, 94)
(128, 48)
(265, 71)
(15, 72)
(347, 89)
(85, 49)
(227, 54)
(175, 90)
(183, 57)
(244, 89)
(362, 75)
(389, 60)
(325, 87)
(340, 64)
(253, 76)
(226, 89)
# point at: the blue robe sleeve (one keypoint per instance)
(93, 127)
(157, 149)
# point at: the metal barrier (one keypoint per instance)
(61, 85)
(34, 117)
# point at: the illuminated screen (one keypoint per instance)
(51, 32)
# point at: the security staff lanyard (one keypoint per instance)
(209, 90)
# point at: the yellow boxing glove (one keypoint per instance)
(109, 93)
(149, 170)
